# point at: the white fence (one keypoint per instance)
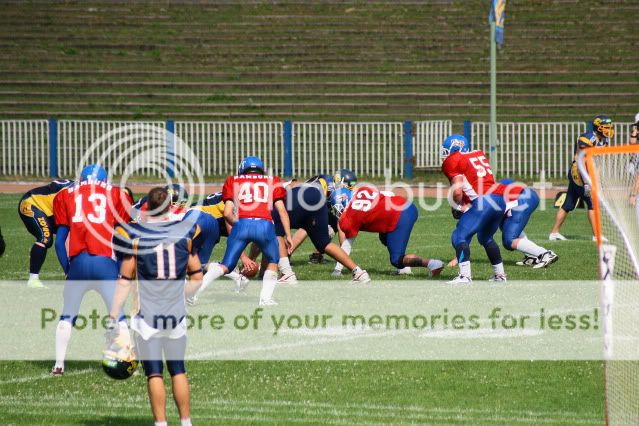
(371, 149)
(427, 139)
(529, 150)
(524, 150)
(25, 147)
(220, 146)
(123, 146)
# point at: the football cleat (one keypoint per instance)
(192, 300)
(316, 259)
(268, 302)
(556, 236)
(36, 283)
(460, 279)
(289, 278)
(336, 273)
(57, 371)
(546, 259)
(498, 278)
(404, 271)
(241, 284)
(527, 261)
(360, 277)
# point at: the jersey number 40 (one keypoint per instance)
(253, 192)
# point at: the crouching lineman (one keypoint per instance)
(36, 212)
(160, 255)
(479, 201)
(389, 215)
(256, 196)
(307, 210)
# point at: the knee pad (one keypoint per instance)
(397, 261)
(175, 367)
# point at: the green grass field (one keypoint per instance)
(329, 392)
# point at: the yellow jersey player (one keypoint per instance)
(600, 135)
(36, 212)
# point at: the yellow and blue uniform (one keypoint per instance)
(575, 182)
(306, 208)
(36, 211)
(214, 206)
(327, 183)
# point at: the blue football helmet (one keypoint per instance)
(339, 200)
(251, 165)
(452, 144)
(179, 195)
(602, 124)
(95, 172)
(345, 177)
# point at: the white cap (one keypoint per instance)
(637, 118)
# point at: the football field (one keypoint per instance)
(329, 392)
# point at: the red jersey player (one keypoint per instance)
(479, 203)
(255, 195)
(87, 213)
(391, 216)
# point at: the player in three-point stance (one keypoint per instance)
(477, 201)
(307, 210)
(36, 212)
(256, 196)
(87, 213)
(391, 216)
(600, 135)
(159, 255)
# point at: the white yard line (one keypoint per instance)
(45, 376)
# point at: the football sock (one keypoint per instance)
(528, 247)
(34, 276)
(492, 251)
(36, 258)
(62, 337)
(356, 270)
(186, 422)
(464, 268)
(214, 272)
(285, 265)
(160, 423)
(268, 285)
(499, 269)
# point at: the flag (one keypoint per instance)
(497, 14)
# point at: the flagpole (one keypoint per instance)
(493, 96)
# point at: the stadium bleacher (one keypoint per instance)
(381, 60)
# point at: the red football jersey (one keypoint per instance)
(372, 211)
(253, 194)
(478, 176)
(91, 211)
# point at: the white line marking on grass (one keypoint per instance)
(320, 409)
(45, 376)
